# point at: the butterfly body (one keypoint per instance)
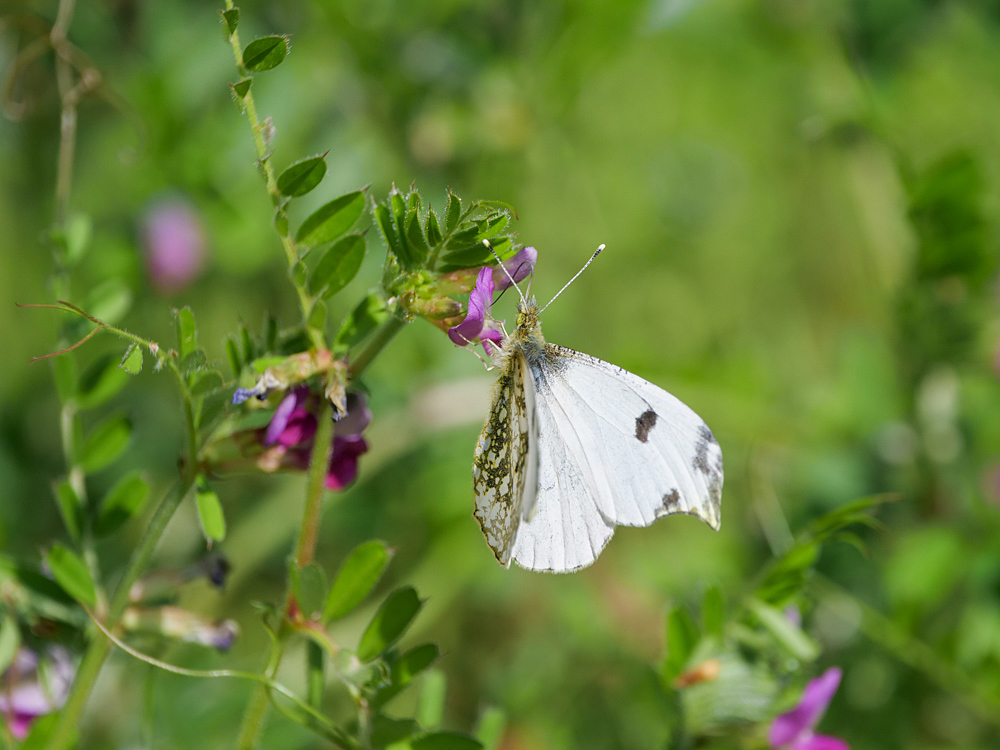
(574, 446)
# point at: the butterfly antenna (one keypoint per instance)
(596, 253)
(506, 272)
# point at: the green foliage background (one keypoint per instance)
(800, 205)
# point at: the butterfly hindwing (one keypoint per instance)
(504, 467)
(612, 449)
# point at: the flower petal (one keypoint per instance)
(480, 300)
(790, 727)
(518, 267)
(358, 416)
(284, 414)
(490, 338)
(823, 742)
(343, 467)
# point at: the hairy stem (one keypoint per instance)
(305, 549)
(264, 161)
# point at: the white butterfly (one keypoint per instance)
(574, 446)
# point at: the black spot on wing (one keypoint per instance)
(705, 439)
(671, 503)
(643, 424)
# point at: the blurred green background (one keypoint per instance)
(799, 201)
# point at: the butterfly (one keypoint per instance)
(575, 446)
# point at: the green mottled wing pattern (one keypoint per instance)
(499, 466)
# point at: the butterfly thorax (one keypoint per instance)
(527, 336)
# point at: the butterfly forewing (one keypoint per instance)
(503, 469)
(612, 449)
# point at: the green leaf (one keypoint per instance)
(210, 407)
(338, 266)
(453, 212)
(101, 381)
(491, 227)
(42, 730)
(682, 637)
(249, 350)
(370, 313)
(490, 727)
(390, 733)
(70, 573)
(208, 381)
(241, 88)
(231, 19)
(210, 515)
(187, 333)
(261, 364)
(386, 227)
(270, 333)
(70, 508)
(132, 360)
(430, 701)
(309, 587)
(109, 300)
(415, 237)
(331, 220)
(302, 176)
(317, 316)
(265, 53)
(10, 639)
(788, 635)
(433, 230)
(356, 578)
(122, 502)
(74, 238)
(281, 217)
(389, 623)
(233, 356)
(193, 362)
(105, 443)
(446, 741)
(404, 670)
(713, 611)
(66, 376)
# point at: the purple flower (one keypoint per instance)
(518, 267)
(293, 426)
(29, 690)
(174, 245)
(476, 327)
(794, 730)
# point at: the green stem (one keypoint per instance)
(263, 158)
(99, 647)
(305, 549)
(382, 336)
(255, 716)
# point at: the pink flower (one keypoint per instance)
(293, 426)
(794, 730)
(478, 326)
(174, 245)
(517, 267)
(28, 692)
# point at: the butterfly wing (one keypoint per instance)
(612, 449)
(504, 469)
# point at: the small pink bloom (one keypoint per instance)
(794, 730)
(27, 692)
(293, 427)
(518, 267)
(174, 245)
(477, 327)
